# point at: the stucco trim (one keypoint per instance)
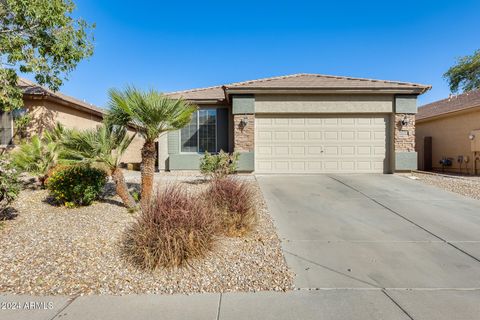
(184, 161)
(243, 104)
(246, 162)
(322, 104)
(405, 161)
(406, 104)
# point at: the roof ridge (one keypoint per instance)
(323, 76)
(295, 75)
(237, 83)
(195, 89)
(269, 79)
(368, 79)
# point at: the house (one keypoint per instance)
(448, 134)
(47, 108)
(302, 124)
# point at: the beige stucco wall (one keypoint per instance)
(324, 103)
(45, 114)
(449, 139)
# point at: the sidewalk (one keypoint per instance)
(341, 304)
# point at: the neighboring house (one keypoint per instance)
(47, 108)
(446, 130)
(301, 123)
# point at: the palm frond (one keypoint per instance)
(105, 145)
(151, 112)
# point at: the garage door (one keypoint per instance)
(320, 144)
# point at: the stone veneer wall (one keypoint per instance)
(244, 137)
(404, 135)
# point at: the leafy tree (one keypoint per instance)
(103, 145)
(465, 74)
(152, 114)
(39, 37)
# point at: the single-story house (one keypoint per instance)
(302, 124)
(47, 108)
(448, 134)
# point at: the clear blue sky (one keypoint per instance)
(175, 45)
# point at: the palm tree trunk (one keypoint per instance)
(122, 189)
(148, 170)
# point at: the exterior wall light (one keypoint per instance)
(243, 123)
(471, 136)
(404, 121)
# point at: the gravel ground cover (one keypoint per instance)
(48, 250)
(465, 185)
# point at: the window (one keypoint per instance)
(6, 128)
(200, 134)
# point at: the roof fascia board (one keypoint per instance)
(416, 91)
(66, 103)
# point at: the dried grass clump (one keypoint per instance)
(235, 205)
(176, 227)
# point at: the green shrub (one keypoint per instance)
(219, 165)
(9, 184)
(76, 185)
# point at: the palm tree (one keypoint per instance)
(104, 145)
(151, 113)
(40, 154)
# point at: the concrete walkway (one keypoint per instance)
(362, 246)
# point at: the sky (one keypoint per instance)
(177, 45)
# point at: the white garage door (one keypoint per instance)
(320, 144)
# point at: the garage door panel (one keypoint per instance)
(317, 144)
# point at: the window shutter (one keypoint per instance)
(6, 123)
(222, 129)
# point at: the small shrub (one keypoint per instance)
(234, 201)
(76, 185)
(219, 165)
(9, 184)
(176, 227)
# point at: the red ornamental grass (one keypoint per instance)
(235, 204)
(175, 228)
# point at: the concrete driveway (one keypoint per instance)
(416, 245)
(364, 247)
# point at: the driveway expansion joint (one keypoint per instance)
(67, 304)
(398, 305)
(330, 269)
(219, 305)
(405, 218)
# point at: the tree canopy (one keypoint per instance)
(39, 37)
(465, 74)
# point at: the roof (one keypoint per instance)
(33, 89)
(300, 83)
(451, 104)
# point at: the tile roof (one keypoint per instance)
(298, 81)
(210, 93)
(451, 104)
(31, 88)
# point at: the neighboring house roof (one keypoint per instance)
(302, 82)
(33, 89)
(464, 101)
